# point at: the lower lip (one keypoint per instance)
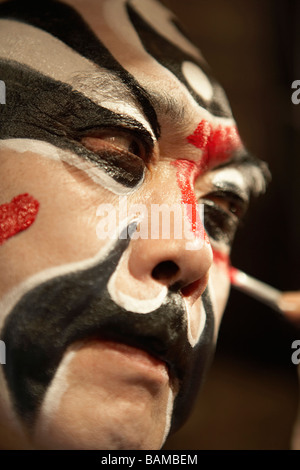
(124, 356)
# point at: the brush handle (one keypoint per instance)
(257, 289)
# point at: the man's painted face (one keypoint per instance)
(109, 106)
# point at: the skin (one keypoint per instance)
(109, 394)
(290, 304)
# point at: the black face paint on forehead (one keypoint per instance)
(77, 306)
(41, 108)
(172, 58)
(63, 22)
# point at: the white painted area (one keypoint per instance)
(47, 150)
(160, 18)
(198, 80)
(55, 392)
(169, 412)
(229, 175)
(41, 51)
(51, 57)
(132, 304)
(241, 176)
(8, 414)
(195, 315)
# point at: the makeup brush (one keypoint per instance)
(260, 291)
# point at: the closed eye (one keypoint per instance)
(124, 142)
(128, 142)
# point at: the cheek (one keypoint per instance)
(17, 215)
(220, 289)
(62, 229)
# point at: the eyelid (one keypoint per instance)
(231, 196)
(141, 135)
(125, 125)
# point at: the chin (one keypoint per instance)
(102, 399)
(132, 430)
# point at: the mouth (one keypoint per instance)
(124, 359)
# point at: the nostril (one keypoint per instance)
(165, 270)
(191, 288)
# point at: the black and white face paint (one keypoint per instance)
(77, 301)
(75, 72)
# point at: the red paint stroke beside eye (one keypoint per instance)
(217, 144)
(187, 172)
(17, 215)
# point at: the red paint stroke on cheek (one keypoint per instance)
(217, 144)
(187, 172)
(222, 259)
(233, 274)
(17, 215)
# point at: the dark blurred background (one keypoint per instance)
(250, 398)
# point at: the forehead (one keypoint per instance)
(128, 56)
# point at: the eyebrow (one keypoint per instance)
(105, 87)
(255, 171)
(168, 105)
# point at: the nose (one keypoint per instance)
(160, 256)
(182, 257)
(171, 262)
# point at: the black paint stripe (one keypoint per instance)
(39, 107)
(199, 361)
(63, 22)
(172, 58)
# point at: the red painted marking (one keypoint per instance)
(221, 258)
(233, 272)
(187, 172)
(17, 215)
(224, 259)
(217, 144)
